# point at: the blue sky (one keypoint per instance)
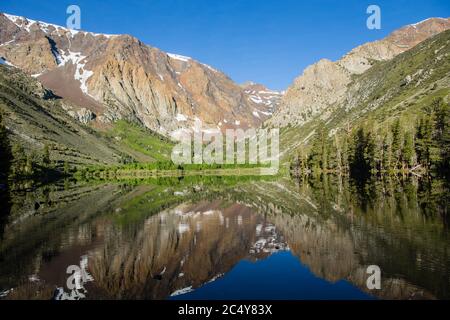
(266, 41)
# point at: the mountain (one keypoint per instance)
(267, 100)
(381, 112)
(118, 77)
(35, 118)
(323, 86)
(111, 81)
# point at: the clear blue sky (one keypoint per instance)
(266, 41)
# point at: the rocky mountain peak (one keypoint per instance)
(324, 84)
(119, 77)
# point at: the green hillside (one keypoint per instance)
(413, 87)
(40, 131)
(142, 141)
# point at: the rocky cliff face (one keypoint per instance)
(36, 119)
(119, 77)
(323, 85)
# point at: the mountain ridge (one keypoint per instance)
(104, 79)
(392, 96)
(325, 83)
(119, 77)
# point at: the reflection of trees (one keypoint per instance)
(44, 224)
(140, 249)
(338, 229)
(5, 208)
(51, 227)
(5, 164)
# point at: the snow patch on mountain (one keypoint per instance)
(256, 99)
(210, 68)
(8, 42)
(26, 23)
(81, 73)
(420, 22)
(13, 19)
(179, 57)
(266, 101)
(181, 117)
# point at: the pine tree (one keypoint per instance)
(19, 160)
(443, 133)
(299, 165)
(335, 155)
(408, 153)
(424, 140)
(387, 153)
(5, 152)
(318, 158)
(358, 152)
(397, 140)
(370, 151)
(378, 153)
(345, 152)
(302, 160)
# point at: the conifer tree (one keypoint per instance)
(5, 152)
(334, 154)
(387, 153)
(397, 140)
(408, 153)
(443, 133)
(19, 160)
(345, 153)
(318, 158)
(358, 152)
(424, 137)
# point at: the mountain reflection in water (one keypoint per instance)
(255, 240)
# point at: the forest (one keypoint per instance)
(421, 148)
(16, 164)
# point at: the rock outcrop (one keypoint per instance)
(323, 85)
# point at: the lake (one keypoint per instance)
(225, 238)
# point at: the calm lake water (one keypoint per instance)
(223, 239)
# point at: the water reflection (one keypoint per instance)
(181, 248)
(278, 239)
